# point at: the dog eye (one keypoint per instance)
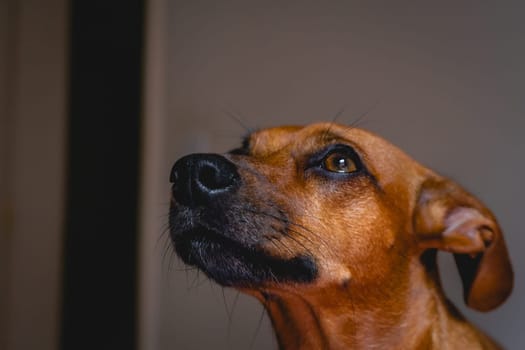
(339, 163)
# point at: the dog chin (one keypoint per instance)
(231, 263)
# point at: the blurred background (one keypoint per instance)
(99, 98)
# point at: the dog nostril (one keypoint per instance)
(210, 178)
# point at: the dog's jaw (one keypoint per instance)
(232, 264)
(229, 240)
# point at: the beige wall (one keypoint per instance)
(33, 37)
(449, 79)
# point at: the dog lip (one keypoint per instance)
(232, 263)
(200, 236)
(201, 232)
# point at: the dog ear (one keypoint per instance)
(448, 218)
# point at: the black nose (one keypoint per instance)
(199, 179)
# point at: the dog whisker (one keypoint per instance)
(232, 310)
(168, 253)
(279, 245)
(199, 280)
(165, 229)
(195, 280)
(238, 118)
(289, 222)
(185, 269)
(294, 239)
(257, 330)
(359, 121)
(203, 281)
(228, 312)
(326, 132)
(316, 235)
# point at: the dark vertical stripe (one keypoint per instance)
(100, 255)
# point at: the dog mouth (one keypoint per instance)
(231, 263)
(220, 222)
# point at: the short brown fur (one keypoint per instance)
(375, 241)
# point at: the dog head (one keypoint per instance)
(326, 205)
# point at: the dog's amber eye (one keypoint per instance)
(339, 163)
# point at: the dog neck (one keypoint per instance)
(367, 318)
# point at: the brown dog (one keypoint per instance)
(336, 231)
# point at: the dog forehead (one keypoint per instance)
(272, 139)
(385, 161)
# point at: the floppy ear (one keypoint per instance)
(448, 218)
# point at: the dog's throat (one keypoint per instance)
(230, 263)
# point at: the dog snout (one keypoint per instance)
(202, 179)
